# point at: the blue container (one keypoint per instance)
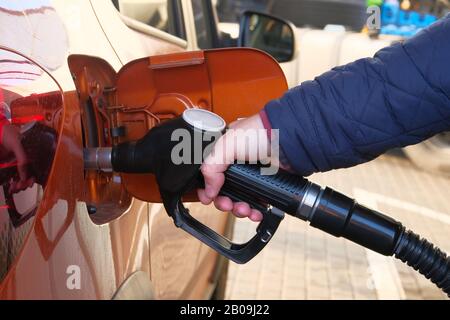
(414, 18)
(396, 21)
(430, 19)
(405, 18)
(389, 12)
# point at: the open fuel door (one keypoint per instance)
(233, 83)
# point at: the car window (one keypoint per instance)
(164, 15)
(201, 26)
(231, 10)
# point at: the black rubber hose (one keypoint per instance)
(425, 258)
(340, 216)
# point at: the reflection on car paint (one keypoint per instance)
(28, 138)
(34, 29)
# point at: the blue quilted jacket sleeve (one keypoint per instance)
(356, 112)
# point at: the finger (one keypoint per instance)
(223, 203)
(255, 215)
(12, 187)
(204, 199)
(20, 186)
(29, 183)
(241, 209)
(214, 180)
(222, 154)
(22, 170)
(233, 124)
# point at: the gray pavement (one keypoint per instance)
(304, 263)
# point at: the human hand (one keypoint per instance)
(25, 180)
(238, 143)
(11, 142)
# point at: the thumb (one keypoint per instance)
(23, 172)
(214, 179)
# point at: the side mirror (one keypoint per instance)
(268, 33)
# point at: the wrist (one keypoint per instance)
(266, 123)
(281, 160)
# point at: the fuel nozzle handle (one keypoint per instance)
(324, 208)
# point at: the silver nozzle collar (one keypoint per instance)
(98, 159)
(309, 202)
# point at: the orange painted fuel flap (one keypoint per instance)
(233, 83)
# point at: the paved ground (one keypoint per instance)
(304, 263)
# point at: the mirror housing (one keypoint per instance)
(268, 33)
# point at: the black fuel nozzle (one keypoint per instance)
(174, 152)
(273, 195)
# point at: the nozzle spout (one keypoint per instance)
(98, 159)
